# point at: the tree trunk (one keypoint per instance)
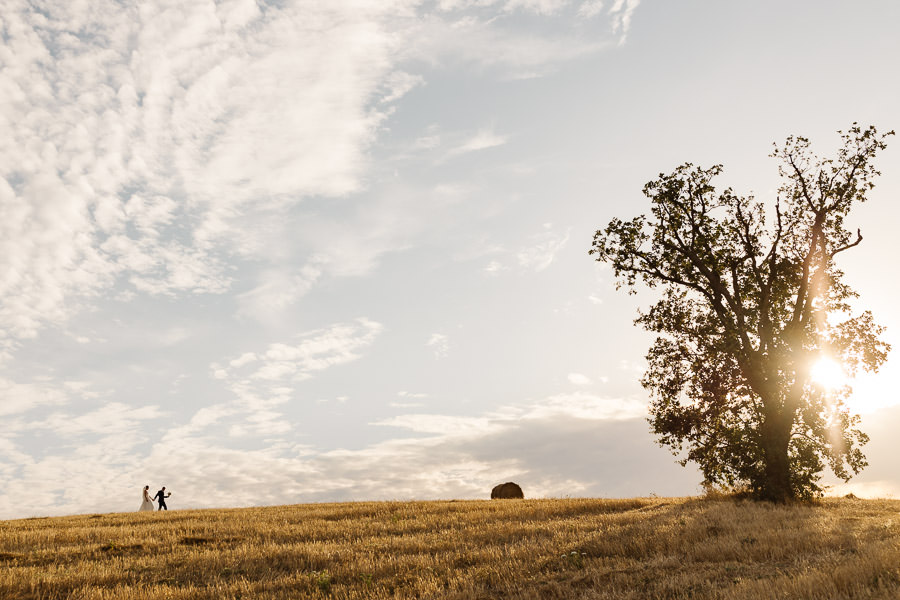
(776, 436)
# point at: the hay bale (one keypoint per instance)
(506, 490)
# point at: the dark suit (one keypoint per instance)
(162, 499)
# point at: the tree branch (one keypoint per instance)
(802, 179)
(859, 238)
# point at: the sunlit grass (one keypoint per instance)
(574, 548)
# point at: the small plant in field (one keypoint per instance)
(574, 559)
(322, 580)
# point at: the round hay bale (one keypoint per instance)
(506, 490)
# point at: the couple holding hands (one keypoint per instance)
(147, 503)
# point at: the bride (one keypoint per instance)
(147, 504)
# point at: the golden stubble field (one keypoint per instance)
(641, 548)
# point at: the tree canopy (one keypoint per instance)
(750, 297)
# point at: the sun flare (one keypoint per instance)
(828, 373)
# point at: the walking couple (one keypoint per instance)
(147, 504)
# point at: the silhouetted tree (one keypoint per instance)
(748, 304)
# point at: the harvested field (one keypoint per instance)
(641, 548)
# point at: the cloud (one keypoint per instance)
(146, 153)
(563, 445)
(440, 344)
(176, 149)
(590, 8)
(94, 450)
(442, 424)
(543, 250)
(260, 381)
(621, 13)
(579, 405)
(488, 34)
(494, 267)
(632, 366)
(296, 361)
(431, 139)
(486, 138)
(493, 44)
(447, 145)
(579, 379)
(410, 400)
(19, 398)
(567, 444)
(113, 419)
(583, 405)
(276, 290)
(134, 150)
(541, 7)
(399, 83)
(560, 446)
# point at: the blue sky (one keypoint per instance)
(278, 252)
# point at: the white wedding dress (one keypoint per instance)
(147, 504)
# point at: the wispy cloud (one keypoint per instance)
(490, 44)
(584, 405)
(112, 419)
(261, 381)
(439, 344)
(478, 32)
(494, 267)
(276, 290)
(486, 138)
(42, 393)
(541, 7)
(543, 249)
(590, 8)
(621, 13)
(296, 361)
(442, 424)
(409, 400)
(579, 379)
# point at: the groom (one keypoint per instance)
(162, 495)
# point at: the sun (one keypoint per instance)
(870, 391)
(828, 373)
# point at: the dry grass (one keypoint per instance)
(636, 548)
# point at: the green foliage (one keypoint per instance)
(322, 580)
(747, 305)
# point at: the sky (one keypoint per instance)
(282, 251)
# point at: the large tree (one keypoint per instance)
(750, 299)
